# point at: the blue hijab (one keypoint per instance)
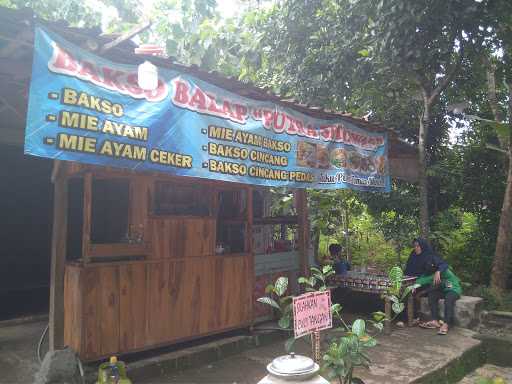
(426, 263)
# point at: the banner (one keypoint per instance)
(90, 110)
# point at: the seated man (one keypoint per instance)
(341, 266)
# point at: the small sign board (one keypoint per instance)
(311, 312)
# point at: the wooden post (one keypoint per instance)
(250, 250)
(302, 213)
(59, 245)
(86, 231)
(387, 311)
(410, 310)
(315, 346)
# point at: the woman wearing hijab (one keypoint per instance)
(435, 273)
(420, 262)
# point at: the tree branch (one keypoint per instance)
(443, 83)
(490, 70)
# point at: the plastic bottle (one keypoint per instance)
(113, 374)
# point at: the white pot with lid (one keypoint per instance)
(293, 368)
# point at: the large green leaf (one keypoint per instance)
(359, 327)
(395, 276)
(378, 316)
(281, 285)
(327, 269)
(284, 322)
(378, 326)
(408, 290)
(336, 308)
(369, 342)
(398, 307)
(268, 301)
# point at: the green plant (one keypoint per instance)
(348, 352)
(283, 304)
(395, 294)
(280, 302)
(487, 380)
(345, 353)
(317, 281)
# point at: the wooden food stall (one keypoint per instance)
(155, 259)
(175, 254)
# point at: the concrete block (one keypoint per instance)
(467, 310)
(58, 367)
(497, 319)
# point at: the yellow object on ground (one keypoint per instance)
(113, 372)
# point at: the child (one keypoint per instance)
(341, 266)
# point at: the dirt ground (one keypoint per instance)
(402, 357)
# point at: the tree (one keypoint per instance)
(499, 17)
(331, 210)
(390, 60)
(423, 42)
(75, 12)
(488, 89)
(395, 214)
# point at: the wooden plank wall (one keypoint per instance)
(180, 291)
(173, 237)
(73, 307)
(149, 303)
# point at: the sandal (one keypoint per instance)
(443, 330)
(429, 325)
(415, 322)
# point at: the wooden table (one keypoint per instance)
(376, 284)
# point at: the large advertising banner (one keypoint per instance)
(90, 110)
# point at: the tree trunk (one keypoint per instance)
(347, 235)
(422, 162)
(316, 243)
(500, 263)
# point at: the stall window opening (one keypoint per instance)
(231, 222)
(232, 205)
(110, 210)
(181, 200)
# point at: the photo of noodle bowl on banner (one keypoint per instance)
(87, 109)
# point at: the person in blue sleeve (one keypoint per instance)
(341, 266)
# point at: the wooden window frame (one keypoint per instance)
(92, 250)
